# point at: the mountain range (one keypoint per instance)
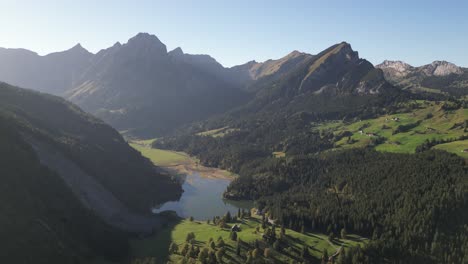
(73, 190)
(436, 77)
(143, 90)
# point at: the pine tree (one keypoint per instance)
(343, 233)
(219, 255)
(221, 243)
(233, 235)
(305, 252)
(212, 245)
(342, 257)
(249, 257)
(228, 217)
(203, 255)
(173, 248)
(255, 253)
(184, 250)
(325, 256)
(190, 237)
(276, 245)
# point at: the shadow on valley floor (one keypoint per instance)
(154, 249)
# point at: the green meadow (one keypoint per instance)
(403, 132)
(251, 230)
(161, 157)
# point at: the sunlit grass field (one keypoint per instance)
(158, 244)
(161, 157)
(429, 122)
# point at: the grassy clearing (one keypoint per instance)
(162, 157)
(219, 132)
(279, 154)
(427, 122)
(291, 246)
(144, 142)
(456, 147)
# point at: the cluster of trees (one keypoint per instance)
(428, 144)
(192, 253)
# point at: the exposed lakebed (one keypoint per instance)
(203, 186)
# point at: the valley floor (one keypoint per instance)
(178, 163)
(155, 249)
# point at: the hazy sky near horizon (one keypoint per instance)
(235, 32)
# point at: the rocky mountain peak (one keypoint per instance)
(78, 49)
(176, 52)
(443, 68)
(146, 44)
(399, 66)
(345, 50)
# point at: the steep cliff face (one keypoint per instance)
(398, 69)
(438, 76)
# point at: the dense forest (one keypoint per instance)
(414, 207)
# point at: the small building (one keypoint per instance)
(465, 150)
(235, 228)
(271, 221)
(370, 134)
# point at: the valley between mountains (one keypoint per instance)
(137, 154)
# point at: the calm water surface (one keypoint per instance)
(202, 199)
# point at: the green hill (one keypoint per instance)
(403, 132)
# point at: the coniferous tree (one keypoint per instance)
(173, 248)
(305, 254)
(325, 256)
(233, 235)
(344, 234)
(228, 217)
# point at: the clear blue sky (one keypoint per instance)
(236, 31)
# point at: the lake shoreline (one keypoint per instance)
(181, 163)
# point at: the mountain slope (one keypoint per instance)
(334, 84)
(94, 146)
(41, 220)
(53, 73)
(138, 87)
(437, 77)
